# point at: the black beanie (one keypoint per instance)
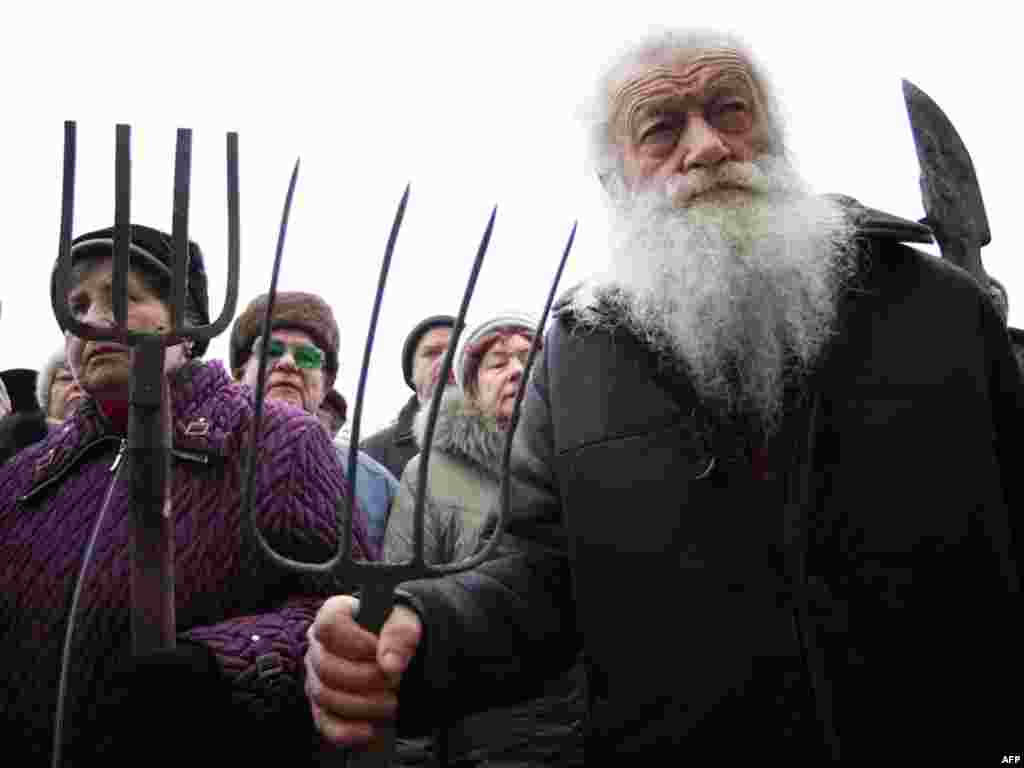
(413, 339)
(151, 249)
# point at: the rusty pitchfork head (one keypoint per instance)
(122, 245)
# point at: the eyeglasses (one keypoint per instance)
(306, 356)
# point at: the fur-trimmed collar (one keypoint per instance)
(606, 306)
(462, 429)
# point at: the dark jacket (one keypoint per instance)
(20, 430)
(228, 599)
(851, 600)
(394, 445)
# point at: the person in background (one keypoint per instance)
(468, 444)
(302, 366)
(21, 421)
(58, 393)
(424, 346)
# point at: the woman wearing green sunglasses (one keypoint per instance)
(295, 368)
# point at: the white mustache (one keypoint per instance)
(680, 188)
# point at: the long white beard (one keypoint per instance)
(739, 284)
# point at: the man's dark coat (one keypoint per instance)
(394, 445)
(855, 598)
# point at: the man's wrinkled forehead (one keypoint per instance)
(678, 76)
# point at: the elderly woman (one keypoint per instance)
(469, 439)
(57, 392)
(64, 520)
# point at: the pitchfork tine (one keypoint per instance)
(67, 219)
(63, 281)
(385, 267)
(179, 228)
(506, 459)
(377, 596)
(122, 223)
(435, 399)
(254, 432)
(495, 535)
(227, 312)
(234, 242)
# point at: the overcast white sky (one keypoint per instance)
(475, 104)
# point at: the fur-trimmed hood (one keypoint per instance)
(463, 430)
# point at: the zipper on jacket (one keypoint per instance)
(59, 718)
(120, 453)
(70, 465)
(200, 458)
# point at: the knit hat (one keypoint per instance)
(21, 385)
(413, 340)
(292, 309)
(44, 381)
(468, 354)
(152, 250)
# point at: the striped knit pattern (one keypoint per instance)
(226, 595)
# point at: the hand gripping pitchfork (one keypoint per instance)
(152, 556)
(378, 580)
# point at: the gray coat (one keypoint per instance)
(462, 483)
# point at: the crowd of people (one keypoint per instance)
(762, 491)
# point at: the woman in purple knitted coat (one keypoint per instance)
(237, 673)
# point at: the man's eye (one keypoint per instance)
(732, 116)
(659, 132)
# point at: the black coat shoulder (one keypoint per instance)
(20, 430)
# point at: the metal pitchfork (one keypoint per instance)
(152, 527)
(152, 570)
(378, 580)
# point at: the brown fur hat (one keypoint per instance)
(292, 309)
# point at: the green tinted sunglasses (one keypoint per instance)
(304, 355)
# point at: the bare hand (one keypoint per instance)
(352, 678)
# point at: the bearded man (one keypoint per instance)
(773, 448)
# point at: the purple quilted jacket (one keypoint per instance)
(251, 615)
